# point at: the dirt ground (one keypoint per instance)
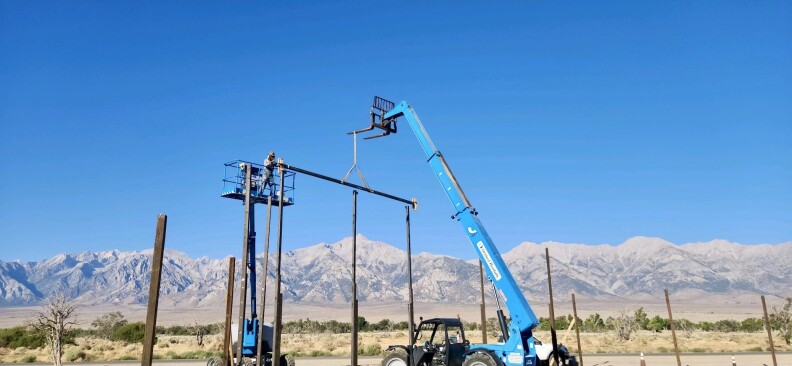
(752, 359)
(710, 309)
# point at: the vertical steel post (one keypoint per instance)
(769, 331)
(410, 304)
(260, 341)
(354, 340)
(577, 330)
(278, 326)
(228, 358)
(154, 287)
(483, 306)
(553, 335)
(243, 285)
(673, 328)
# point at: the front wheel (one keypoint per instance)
(479, 359)
(396, 357)
(551, 361)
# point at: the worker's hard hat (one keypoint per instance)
(272, 153)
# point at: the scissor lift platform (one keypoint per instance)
(234, 184)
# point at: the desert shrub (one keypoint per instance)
(22, 337)
(370, 350)
(132, 332)
(74, 354)
(105, 325)
(752, 325)
(593, 323)
(402, 325)
(319, 353)
(657, 324)
(727, 325)
(706, 326)
(29, 359)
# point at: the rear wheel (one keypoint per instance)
(479, 359)
(395, 357)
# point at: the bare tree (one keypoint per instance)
(54, 319)
(624, 325)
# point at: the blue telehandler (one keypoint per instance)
(443, 338)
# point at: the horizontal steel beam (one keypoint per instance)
(413, 203)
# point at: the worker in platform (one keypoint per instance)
(269, 167)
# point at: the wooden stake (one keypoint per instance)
(553, 336)
(769, 331)
(154, 287)
(577, 330)
(228, 354)
(673, 328)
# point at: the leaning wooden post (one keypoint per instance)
(769, 331)
(577, 330)
(354, 340)
(228, 358)
(154, 287)
(673, 328)
(553, 336)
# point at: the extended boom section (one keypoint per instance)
(518, 347)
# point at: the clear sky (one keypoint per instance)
(586, 122)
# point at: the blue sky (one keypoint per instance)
(575, 122)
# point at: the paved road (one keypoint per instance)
(698, 359)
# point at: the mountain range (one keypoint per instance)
(641, 267)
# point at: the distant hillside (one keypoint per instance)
(641, 267)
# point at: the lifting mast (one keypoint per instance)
(518, 347)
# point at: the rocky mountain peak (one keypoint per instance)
(639, 267)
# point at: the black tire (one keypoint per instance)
(551, 361)
(287, 360)
(214, 361)
(396, 357)
(480, 359)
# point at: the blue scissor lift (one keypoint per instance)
(235, 187)
(234, 184)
